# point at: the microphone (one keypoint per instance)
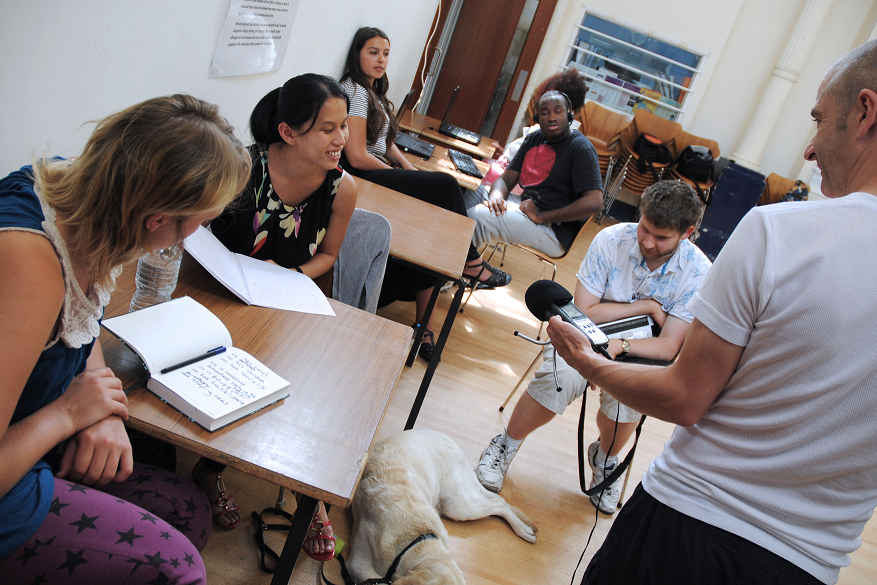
(546, 298)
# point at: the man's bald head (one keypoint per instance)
(855, 71)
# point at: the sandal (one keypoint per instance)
(427, 348)
(222, 502)
(319, 526)
(496, 279)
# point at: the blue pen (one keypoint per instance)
(211, 353)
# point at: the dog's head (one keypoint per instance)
(428, 563)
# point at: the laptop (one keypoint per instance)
(455, 131)
(406, 142)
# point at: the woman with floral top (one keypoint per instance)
(295, 212)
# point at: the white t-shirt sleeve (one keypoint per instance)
(738, 285)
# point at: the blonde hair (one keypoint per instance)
(171, 155)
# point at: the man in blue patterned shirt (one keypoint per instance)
(644, 268)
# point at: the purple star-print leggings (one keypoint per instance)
(147, 529)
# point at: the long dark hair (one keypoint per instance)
(377, 92)
(296, 103)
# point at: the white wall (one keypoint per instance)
(67, 62)
(745, 39)
(706, 25)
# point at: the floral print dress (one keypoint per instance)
(260, 225)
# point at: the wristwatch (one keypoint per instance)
(625, 346)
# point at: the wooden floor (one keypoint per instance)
(480, 365)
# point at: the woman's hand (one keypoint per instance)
(98, 455)
(91, 397)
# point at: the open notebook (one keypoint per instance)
(213, 391)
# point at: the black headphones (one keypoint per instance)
(569, 114)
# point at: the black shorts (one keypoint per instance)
(650, 543)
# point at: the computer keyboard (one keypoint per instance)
(459, 133)
(464, 163)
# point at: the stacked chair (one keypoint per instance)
(603, 128)
(626, 173)
(664, 130)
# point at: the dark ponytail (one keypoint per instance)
(297, 103)
(263, 120)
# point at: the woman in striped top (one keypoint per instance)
(370, 153)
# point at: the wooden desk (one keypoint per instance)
(432, 240)
(441, 162)
(342, 371)
(429, 129)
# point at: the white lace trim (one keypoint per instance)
(81, 313)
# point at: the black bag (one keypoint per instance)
(696, 163)
(651, 151)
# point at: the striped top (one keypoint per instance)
(359, 108)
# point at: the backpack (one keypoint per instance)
(696, 163)
(651, 151)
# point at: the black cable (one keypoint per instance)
(600, 498)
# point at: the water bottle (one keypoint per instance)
(156, 277)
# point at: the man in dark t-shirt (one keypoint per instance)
(560, 175)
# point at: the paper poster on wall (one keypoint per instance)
(254, 37)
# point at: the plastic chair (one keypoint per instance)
(775, 187)
(544, 258)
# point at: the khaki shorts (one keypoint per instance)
(543, 389)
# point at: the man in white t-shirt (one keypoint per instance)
(631, 269)
(771, 474)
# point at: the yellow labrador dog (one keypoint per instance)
(409, 480)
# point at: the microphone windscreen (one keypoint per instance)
(542, 294)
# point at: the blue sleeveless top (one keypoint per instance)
(26, 505)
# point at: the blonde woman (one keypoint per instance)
(148, 176)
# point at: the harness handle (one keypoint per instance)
(387, 579)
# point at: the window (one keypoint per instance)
(629, 67)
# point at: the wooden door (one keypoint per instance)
(475, 58)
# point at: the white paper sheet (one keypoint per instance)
(254, 37)
(257, 282)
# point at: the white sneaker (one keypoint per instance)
(608, 502)
(494, 463)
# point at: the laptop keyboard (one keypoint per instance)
(414, 145)
(460, 133)
(464, 163)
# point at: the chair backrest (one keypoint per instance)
(775, 187)
(602, 124)
(667, 131)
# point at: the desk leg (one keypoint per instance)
(418, 336)
(306, 509)
(436, 356)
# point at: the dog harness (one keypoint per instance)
(388, 578)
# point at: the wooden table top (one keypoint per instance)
(428, 127)
(441, 162)
(423, 234)
(342, 371)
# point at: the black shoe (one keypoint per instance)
(427, 349)
(497, 277)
